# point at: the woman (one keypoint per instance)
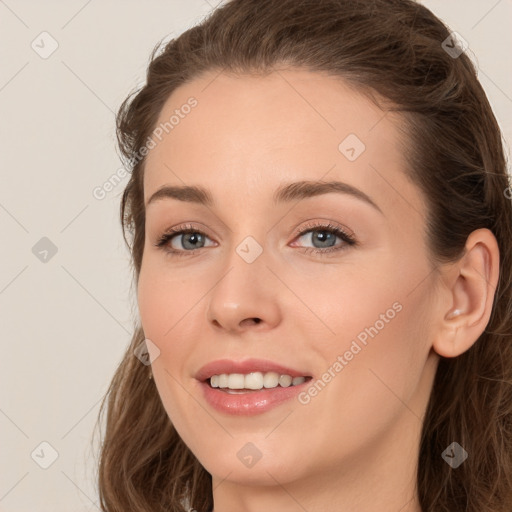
(321, 238)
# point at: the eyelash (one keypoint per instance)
(349, 240)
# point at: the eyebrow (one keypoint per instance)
(287, 192)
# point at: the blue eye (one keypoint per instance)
(194, 239)
(325, 234)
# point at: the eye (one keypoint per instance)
(190, 238)
(324, 237)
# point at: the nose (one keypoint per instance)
(245, 297)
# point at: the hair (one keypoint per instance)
(392, 50)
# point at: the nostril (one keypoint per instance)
(250, 321)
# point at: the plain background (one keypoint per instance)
(66, 321)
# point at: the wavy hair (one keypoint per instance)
(392, 50)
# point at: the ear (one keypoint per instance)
(471, 285)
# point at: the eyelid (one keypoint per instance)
(346, 235)
(324, 224)
(340, 231)
(170, 233)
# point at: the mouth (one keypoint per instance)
(249, 387)
(239, 383)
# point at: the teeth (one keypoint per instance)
(285, 381)
(254, 380)
(270, 380)
(223, 380)
(236, 381)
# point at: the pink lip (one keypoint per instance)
(250, 402)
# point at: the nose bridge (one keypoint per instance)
(244, 291)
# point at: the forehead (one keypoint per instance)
(248, 133)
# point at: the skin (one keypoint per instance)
(354, 446)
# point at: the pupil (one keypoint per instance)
(324, 235)
(191, 238)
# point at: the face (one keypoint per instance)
(330, 283)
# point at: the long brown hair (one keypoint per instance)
(393, 48)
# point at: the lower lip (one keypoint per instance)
(252, 402)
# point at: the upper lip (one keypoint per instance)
(246, 366)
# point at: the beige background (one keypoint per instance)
(65, 322)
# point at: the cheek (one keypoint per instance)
(151, 304)
(367, 395)
(163, 302)
(377, 347)
(163, 298)
(170, 309)
(162, 315)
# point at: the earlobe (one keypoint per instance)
(471, 286)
